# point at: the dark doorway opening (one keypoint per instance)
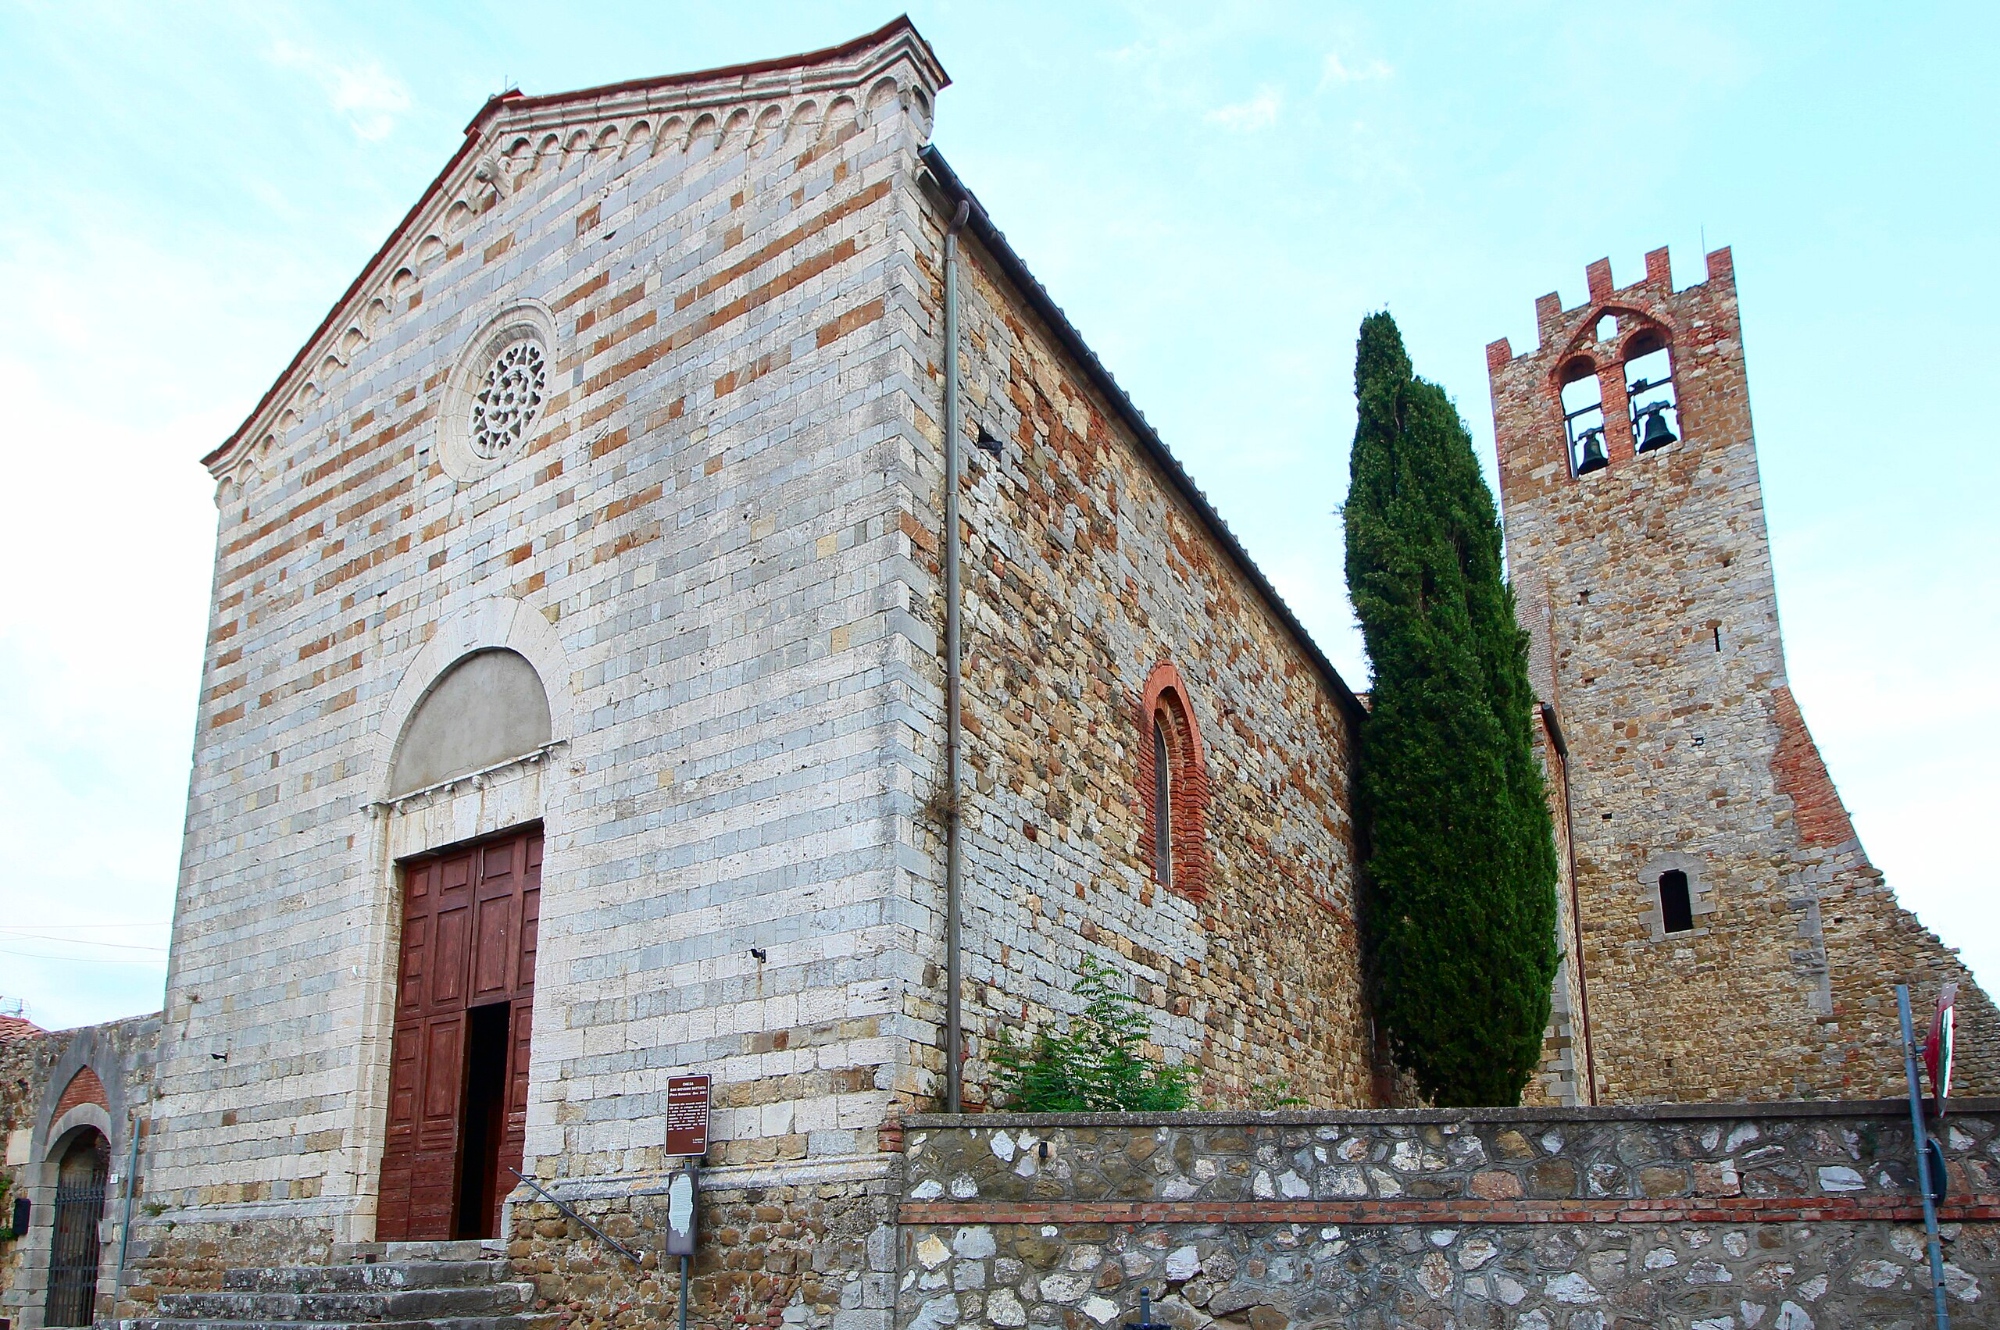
(479, 1189)
(74, 1255)
(1676, 907)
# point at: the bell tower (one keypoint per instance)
(1735, 943)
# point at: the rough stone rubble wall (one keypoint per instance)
(778, 1247)
(1685, 748)
(1083, 571)
(24, 1065)
(106, 1070)
(1787, 1216)
(706, 535)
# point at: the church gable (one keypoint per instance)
(527, 158)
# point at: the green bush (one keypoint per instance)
(1460, 905)
(1095, 1066)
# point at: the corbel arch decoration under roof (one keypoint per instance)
(892, 65)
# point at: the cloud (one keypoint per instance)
(1260, 112)
(367, 94)
(1335, 70)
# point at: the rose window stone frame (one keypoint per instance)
(497, 396)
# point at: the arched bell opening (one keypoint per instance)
(1649, 390)
(1583, 415)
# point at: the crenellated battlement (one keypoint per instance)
(1556, 326)
(1648, 349)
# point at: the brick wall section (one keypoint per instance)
(1648, 590)
(1563, 1079)
(83, 1088)
(1802, 777)
(116, 1074)
(1084, 571)
(1739, 1215)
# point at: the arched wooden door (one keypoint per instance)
(74, 1254)
(458, 1091)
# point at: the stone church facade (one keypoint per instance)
(574, 714)
(575, 666)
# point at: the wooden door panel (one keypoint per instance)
(405, 1072)
(451, 952)
(493, 968)
(416, 953)
(470, 924)
(444, 1063)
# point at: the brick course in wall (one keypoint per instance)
(1647, 589)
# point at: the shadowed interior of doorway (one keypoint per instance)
(485, 1111)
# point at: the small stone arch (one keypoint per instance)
(488, 707)
(497, 623)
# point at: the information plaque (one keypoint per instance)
(687, 1116)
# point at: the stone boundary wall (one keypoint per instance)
(1703, 1217)
(803, 1245)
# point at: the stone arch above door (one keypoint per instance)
(496, 624)
(487, 708)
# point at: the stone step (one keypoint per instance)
(381, 1305)
(453, 1249)
(177, 1323)
(522, 1322)
(431, 1323)
(364, 1278)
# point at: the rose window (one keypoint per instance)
(507, 402)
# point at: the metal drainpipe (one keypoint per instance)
(954, 869)
(131, 1191)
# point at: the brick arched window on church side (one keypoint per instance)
(1172, 786)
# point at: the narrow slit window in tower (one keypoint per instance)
(1676, 907)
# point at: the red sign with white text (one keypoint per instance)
(687, 1115)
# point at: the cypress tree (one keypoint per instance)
(1460, 908)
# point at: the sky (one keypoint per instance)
(1215, 194)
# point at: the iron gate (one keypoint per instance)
(74, 1253)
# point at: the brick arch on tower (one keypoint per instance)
(1164, 702)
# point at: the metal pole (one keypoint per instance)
(953, 853)
(125, 1235)
(1920, 1137)
(684, 1294)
